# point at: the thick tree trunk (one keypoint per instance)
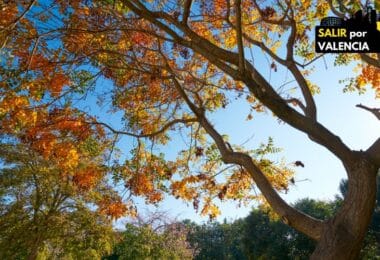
(343, 235)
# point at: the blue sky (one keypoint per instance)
(320, 177)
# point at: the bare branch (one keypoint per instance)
(163, 129)
(33, 53)
(374, 111)
(311, 108)
(309, 62)
(298, 220)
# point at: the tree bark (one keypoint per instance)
(343, 235)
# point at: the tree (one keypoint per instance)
(172, 64)
(275, 240)
(215, 240)
(153, 237)
(47, 210)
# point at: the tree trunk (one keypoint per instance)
(34, 251)
(38, 239)
(343, 235)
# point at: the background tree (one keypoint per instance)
(260, 236)
(49, 211)
(153, 237)
(172, 64)
(216, 240)
(275, 240)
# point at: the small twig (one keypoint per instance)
(112, 148)
(33, 53)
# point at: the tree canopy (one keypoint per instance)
(45, 210)
(163, 67)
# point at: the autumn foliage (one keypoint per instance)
(77, 77)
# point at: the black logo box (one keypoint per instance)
(371, 37)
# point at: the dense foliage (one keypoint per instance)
(46, 211)
(215, 240)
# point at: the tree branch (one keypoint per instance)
(311, 108)
(258, 86)
(186, 11)
(280, 21)
(374, 111)
(370, 60)
(163, 129)
(297, 102)
(239, 35)
(334, 10)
